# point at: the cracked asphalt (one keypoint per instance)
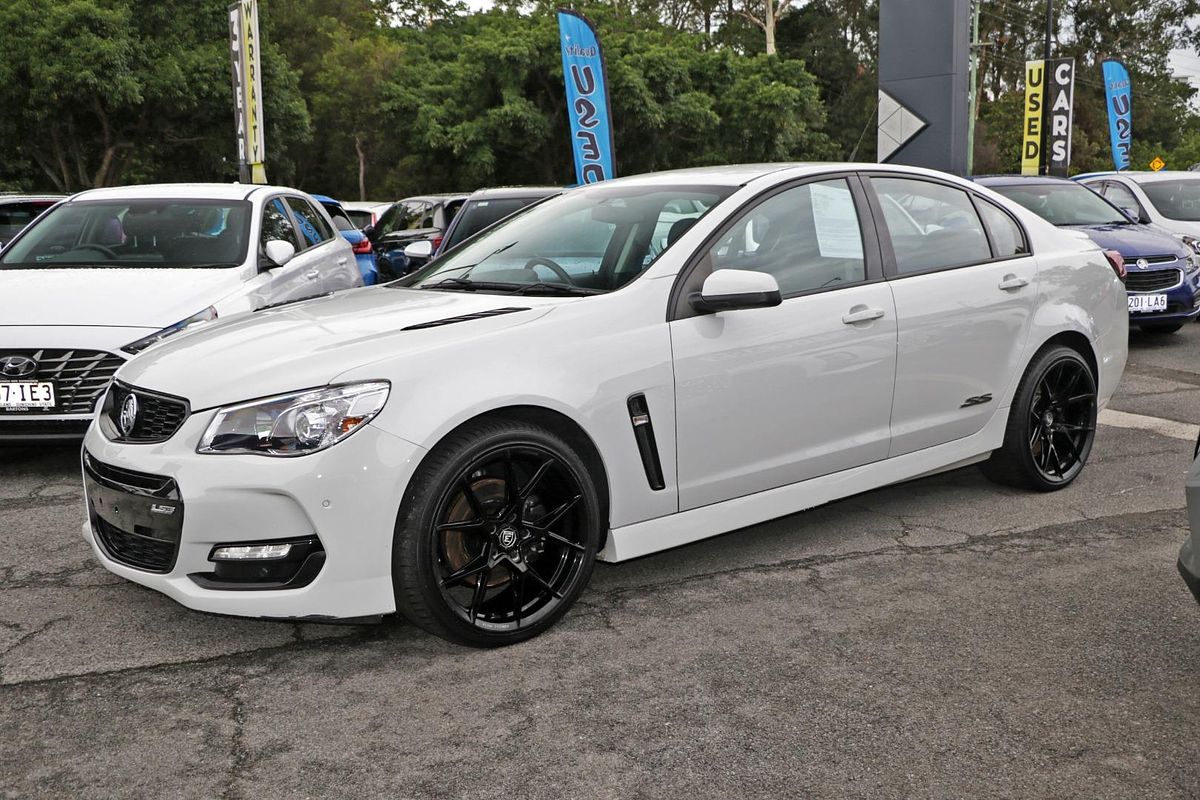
(945, 638)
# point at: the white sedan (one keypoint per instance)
(628, 367)
(110, 272)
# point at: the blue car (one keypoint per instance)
(1162, 272)
(364, 254)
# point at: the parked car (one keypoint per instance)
(366, 212)
(1169, 199)
(18, 210)
(628, 367)
(1189, 554)
(411, 220)
(364, 254)
(111, 272)
(1163, 272)
(482, 209)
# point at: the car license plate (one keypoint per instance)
(15, 396)
(1141, 303)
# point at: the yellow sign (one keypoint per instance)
(1157, 163)
(1031, 131)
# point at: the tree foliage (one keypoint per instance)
(391, 97)
(99, 93)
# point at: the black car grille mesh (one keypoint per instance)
(158, 416)
(79, 377)
(1153, 281)
(137, 549)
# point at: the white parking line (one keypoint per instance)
(1163, 427)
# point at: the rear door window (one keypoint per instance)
(931, 226)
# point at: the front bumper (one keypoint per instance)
(347, 497)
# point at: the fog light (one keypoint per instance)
(255, 552)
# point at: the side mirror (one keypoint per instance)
(279, 252)
(368, 230)
(421, 249)
(733, 289)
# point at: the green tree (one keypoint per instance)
(99, 93)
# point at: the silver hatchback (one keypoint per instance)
(1189, 554)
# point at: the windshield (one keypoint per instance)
(589, 240)
(1064, 203)
(135, 233)
(1178, 200)
(479, 214)
(403, 216)
(15, 216)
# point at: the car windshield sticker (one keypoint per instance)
(835, 221)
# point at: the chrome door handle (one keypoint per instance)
(1012, 282)
(312, 274)
(861, 314)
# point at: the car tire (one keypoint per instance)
(1161, 328)
(497, 534)
(1051, 424)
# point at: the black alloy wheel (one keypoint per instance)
(1051, 425)
(497, 536)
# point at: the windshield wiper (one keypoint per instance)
(507, 287)
(555, 288)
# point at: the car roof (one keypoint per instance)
(1144, 176)
(434, 198)
(17, 197)
(198, 191)
(514, 192)
(1019, 180)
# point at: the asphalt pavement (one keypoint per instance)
(945, 638)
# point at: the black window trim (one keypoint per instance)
(688, 280)
(890, 269)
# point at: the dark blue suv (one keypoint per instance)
(1163, 273)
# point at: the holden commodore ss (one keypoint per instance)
(628, 367)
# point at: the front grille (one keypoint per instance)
(137, 549)
(79, 377)
(158, 417)
(1152, 281)
(1157, 259)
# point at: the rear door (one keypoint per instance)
(965, 285)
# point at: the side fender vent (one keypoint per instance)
(437, 323)
(643, 432)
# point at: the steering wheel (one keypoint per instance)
(558, 271)
(107, 251)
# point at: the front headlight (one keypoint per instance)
(199, 318)
(1192, 242)
(294, 424)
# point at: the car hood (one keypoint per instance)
(1133, 241)
(310, 343)
(111, 297)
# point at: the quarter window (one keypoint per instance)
(1007, 238)
(808, 237)
(931, 226)
(313, 229)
